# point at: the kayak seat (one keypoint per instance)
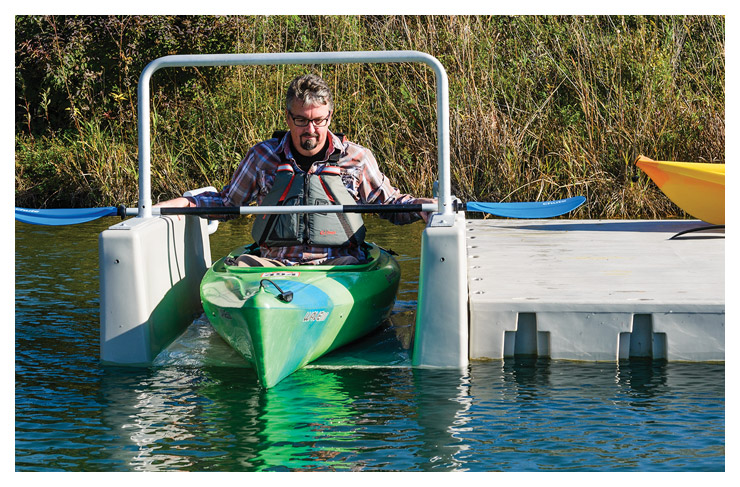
(254, 249)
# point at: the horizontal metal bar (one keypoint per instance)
(275, 210)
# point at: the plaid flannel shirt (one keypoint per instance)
(360, 173)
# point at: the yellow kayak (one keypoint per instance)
(697, 188)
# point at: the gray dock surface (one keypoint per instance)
(596, 290)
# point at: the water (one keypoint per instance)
(361, 409)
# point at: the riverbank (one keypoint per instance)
(542, 107)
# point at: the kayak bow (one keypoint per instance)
(281, 318)
(697, 188)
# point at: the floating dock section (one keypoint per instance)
(564, 289)
(596, 290)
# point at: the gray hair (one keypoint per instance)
(311, 90)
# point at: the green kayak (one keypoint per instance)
(281, 318)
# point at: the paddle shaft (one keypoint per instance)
(71, 216)
(272, 210)
(542, 209)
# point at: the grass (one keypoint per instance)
(541, 107)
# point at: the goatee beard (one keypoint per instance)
(309, 143)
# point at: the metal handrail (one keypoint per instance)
(190, 60)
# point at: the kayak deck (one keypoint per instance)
(281, 318)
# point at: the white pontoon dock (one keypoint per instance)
(596, 290)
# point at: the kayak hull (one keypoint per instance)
(697, 188)
(330, 306)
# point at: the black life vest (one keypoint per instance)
(323, 187)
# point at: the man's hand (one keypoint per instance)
(175, 203)
(426, 215)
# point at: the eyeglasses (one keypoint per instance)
(303, 122)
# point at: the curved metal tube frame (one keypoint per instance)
(445, 207)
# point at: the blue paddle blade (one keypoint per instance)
(532, 209)
(62, 216)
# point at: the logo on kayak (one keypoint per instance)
(313, 316)
(281, 274)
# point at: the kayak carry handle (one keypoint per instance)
(286, 296)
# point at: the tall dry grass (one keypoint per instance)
(541, 107)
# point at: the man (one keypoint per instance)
(307, 165)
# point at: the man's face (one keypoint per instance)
(310, 139)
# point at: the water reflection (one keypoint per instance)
(201, 409)
(442, 415)
(146, 411)
(555, 415)
(346, 420)
(520, 415)
(308, 422)
(641, 378)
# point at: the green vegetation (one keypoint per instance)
(541, 107)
